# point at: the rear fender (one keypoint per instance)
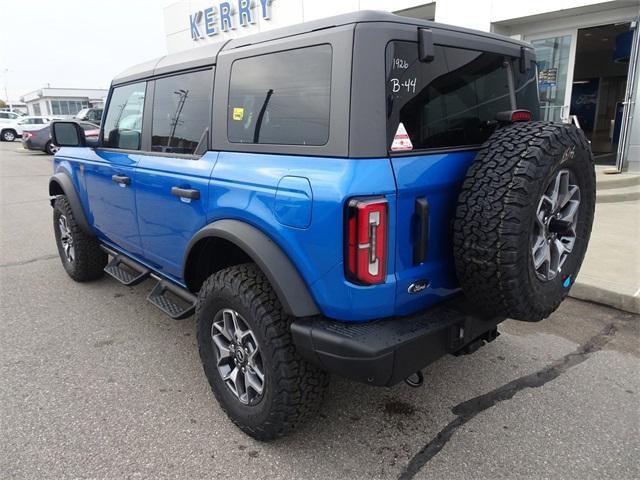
(285, 279)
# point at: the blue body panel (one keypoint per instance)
(167, 222)
(294, 201)
(298, 202)
(112, 206)
(438, 178)
(248, 193)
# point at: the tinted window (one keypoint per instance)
(449, 102)
(94, 115)
(527, 89)
(281, 98)
(181, 111)
(123, 123)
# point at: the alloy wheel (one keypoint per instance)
(554, 233)
(239, 360)
(52, 149)
(66, 239)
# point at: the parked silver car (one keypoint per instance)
(92, 115)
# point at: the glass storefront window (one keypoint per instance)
(67, 107)
(552, 57)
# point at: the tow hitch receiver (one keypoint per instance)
(415, 380)
(473, 345)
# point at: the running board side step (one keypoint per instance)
(172, 299)
(125, 270)
(175, 301)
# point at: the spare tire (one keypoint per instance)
(523, 219)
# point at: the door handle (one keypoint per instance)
(420, 247)
(121, 180)
(190, 193)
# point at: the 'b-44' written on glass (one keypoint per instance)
(409, 85)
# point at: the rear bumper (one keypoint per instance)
(384, 352)
(28, 145)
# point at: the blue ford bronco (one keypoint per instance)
(358, 195)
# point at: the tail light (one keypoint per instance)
(521, 116)
(366, 243)
(26, 135)
(512, 116)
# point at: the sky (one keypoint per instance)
(75, 43)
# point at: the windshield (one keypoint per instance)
(451, 101)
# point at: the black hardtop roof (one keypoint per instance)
(207, 54)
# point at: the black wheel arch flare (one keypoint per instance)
(285, 279)
(61, 184)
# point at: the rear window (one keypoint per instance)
(281, 98)
(451, 101)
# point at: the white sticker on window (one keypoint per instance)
(401, 140)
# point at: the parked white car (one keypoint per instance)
(10, 130)
(6, 116)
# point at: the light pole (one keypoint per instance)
(182, 94)
(6, 90)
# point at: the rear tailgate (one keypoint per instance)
(438, 115)
(436, 179)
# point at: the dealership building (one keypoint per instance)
(587, 50)
(63, 102)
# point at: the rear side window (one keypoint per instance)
(123, 122)
(449, 102)
(281, 98)
(181, 111)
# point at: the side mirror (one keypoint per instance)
(92, 142)
(127, 139)
(67, 134)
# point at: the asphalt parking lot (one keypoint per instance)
(97, 383)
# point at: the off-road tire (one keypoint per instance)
(496, 213)
(294, 389)
(90, 259)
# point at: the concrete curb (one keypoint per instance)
(622, 182)
(620, 296)
(615, 195)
